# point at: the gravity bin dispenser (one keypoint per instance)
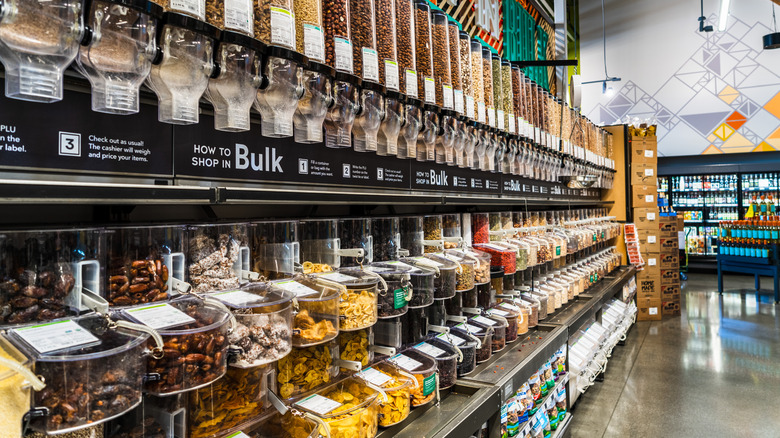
(407, 140)
(117, 51)
(38, 40)
(366, 66)
(313, 106)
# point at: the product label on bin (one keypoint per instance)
(391, 75)
(470, 107)
(500, 118)
(337, 277)
(282, 27)
(238, 434)
(458, 94)
(374, 376)
(239, 15)
(512, 124)
(300, 290)
(313, 42)
(343, 49)
(498, 312)
(411, 83)
(194, 7)
(160, 316)
(318, 404)
(54, 336)
(405, 362)
(471, 328)
(370, 65)
(429, 384)
(447, 96)
(428, 262)
(481, 112)
(491, 114)
(237, 297)
(483, 320)
(430, 90)
(430, 350)
(399, 298)
(454, 340)
(506, 305)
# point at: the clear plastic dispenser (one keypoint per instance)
(117, 51)
(322, 247)
(278, 99)
(389, 72)
(369, 117)
(366, 66)
(275, 249)
(180, 72)
(413, 122)
(446, 139)
(429, 134)
(38, 40)
(236, 77)
(317, 80)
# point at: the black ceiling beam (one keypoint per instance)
(547, 63)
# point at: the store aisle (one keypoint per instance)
(715, 371)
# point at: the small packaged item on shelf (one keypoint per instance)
(217, 256)
(275, 248)
(446, 356)
(192, 328)
(263, 331)
(87, 359)
(359, 296)
(349, 408)
(397, 385)
(306, 369)
(423, 368)
(316, 319)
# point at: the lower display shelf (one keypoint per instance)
(544, 404)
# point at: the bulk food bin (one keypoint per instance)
(229, 403)
(293, 424)
(453, 35)
(275, 248)
(17, 382)
(321, 242)
(356, 347)
(477, 85)
(464, 52)
(195, 331)
(451, 231)
(144, 264)
(356, 233)
(93, 369)
(47, 274)
(395, 291)
(387, 238)
(359, 292)
(263, 331)
(453, 305)
(413, 327)
(429, 133)
(366, 66)
(389, 74)
(309, 118)
(513, 316)
(447, 357)
(464, 276)
(480, 228)
(118, 61)
(389, 332)
(348, 409)
(423, 368)
(467, 344)
(487, 81)
(306, 369)
(500, 256)
(413, 121)
(436, 313)
(316, 315)
(412, 235)
(444, 281)
(432, 229)
(422, 281)
(218, 256)
(483, 333)
(397, 385)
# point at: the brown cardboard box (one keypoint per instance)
(649, 242)
(670, 292)
(644, 152)
(643, 196)
(680, 222)
(670, 277)
(670, 308)
(667, 226)
(669, 261)
(644, 174)
(648, 309)
(669, 245)
(648, 283)
(652, 263)
(646, 218)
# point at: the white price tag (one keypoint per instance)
(300, 290)
(491, 114)
(653, 311)
(343, 49)
(651, 239)
(370, 65)
(651, 262)
(430, 350)
(337, 277)
(459, 101)
(446, 91)
(282, 27)
(430, 90)
(401, 265)
(313, 42)
(483, 320)
(374, 376)
(160, 316)
(428, 262)
(318, 404)
(406, 362)
(506, 305)
(472, 328)
(391, 75)
(454, 340)
(237, 297)
(411, 84)
(54, 336)
(481, 112)
(498, 312)
(470, 107)
(651, 216)
(239, 15)
(193, 7)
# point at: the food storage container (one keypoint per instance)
(423, 368)
(316, 316)
(38, 40)
(263, 331)
(395, 291)
(546, 301)
(480, 228)
(309, 117)
(359, 292)
(453, 43)
(467, 344)
(500, 256)
(432, 229)
(275, 248)
(218, 256)
(398, 386)
(534, 306)
(498, 96)
(506, 95)
(306, 369)
(477, 84)
(414, 326)
(117, 63)
(483, 333)
(181, 75)
(426, 90)
(44, 274)
(232, 87)
(464, 52)
(144, 264)
(389, 332)
(413, 123)
(354, 346)
(412, 235)
(366, 66)
(437, 312)
(470, 298)
(387, 238)
(192, 328)
(422, 280)
(451, 231)
(440, 48)
(488, 82)
(390, 74)
(429, 134)
(464, 276)
(444, 281)
(230, 403)
(356, 233)
(453, 305)
(499, 327)
(93, 369)
(277, 99)
(321, 243)
(486, 295)
(291, 425)
(513, 317)
(481, 264)
(447, 357)
(350, 408)
(405, 47)
(17, 381)
(309, 35)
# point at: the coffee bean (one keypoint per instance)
(385, 34)
(361, 27)
(454, 46)
(334, 16)
(441, 55)
(404, 28)
(423, 46)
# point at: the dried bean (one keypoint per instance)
(423, 47)
(404, 32)
(385, 34)
(334, 15)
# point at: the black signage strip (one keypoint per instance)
(13, 191)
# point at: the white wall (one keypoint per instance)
(681, 76)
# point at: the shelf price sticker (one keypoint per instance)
(318, 404)
(430, 350)
(160, 316)
(374, 376)
(56, 336)
(300, 290)
(343, 49)
(411, 84)
(406, 362)
(237, 297)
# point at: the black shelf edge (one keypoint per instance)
(73, 192)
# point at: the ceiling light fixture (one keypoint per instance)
(723, 16)
(608, 91)
(702, 19)
(772, 40)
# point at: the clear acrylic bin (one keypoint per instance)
(351, 411)
(306, 369)
(316, 316)
(218, 255)
(359, 295)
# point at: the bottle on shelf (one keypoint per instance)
(770, 204)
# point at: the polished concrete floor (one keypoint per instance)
(713, 372)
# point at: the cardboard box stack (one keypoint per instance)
(669, 264)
